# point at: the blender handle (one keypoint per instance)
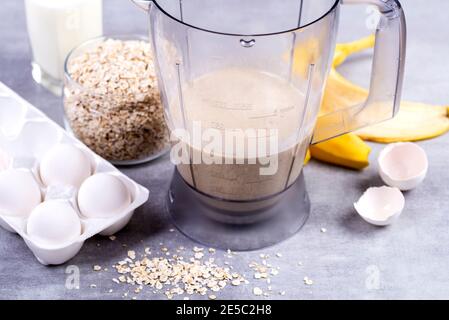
(386, 78)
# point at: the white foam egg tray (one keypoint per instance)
(26, 134)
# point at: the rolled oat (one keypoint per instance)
(112, 101)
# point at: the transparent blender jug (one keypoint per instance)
(242, 83)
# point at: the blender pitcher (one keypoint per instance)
(242, 83)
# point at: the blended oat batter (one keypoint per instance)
(233, 99)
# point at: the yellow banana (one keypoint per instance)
(347, 150)
(307, 158)
(414, 121)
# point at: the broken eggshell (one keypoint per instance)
(403, 165)
(380, 206)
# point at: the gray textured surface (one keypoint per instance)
(412, 255)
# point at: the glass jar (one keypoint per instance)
(112, 101)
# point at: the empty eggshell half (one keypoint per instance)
(102, 196)
(19, 192)
(53, 223)
(380, 206)
(403, 165)
(65, 164)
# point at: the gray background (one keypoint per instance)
(412, 256)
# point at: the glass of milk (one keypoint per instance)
(55, 27)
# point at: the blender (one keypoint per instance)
(242, 84)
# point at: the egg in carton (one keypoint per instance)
(54, 191)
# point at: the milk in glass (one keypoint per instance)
(55, 27)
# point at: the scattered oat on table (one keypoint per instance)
(308, 281)
(196, 273)
(199, 255)
(257, 291)
(175, 275)
(132, 254)
(235, 282)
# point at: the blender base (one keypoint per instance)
(279, 221)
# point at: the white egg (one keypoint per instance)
(5, 160)
(53, 223)
(19, 192)
(103, 195)
(65, 164)
(380, 206)
(403, 165)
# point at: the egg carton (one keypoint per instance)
(26, 134)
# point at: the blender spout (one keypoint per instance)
(143, 4)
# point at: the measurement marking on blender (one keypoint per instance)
(181, 13)
(293, 49)
(292, 57)
(264, 116)
(184, 120)
(300, 128)
(301, 5)
(237, 108)
(188, 51)
(283, 110)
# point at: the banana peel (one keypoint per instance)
(414, 121)
(347, 150)
(344, 50)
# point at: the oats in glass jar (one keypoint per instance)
(112, 101)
